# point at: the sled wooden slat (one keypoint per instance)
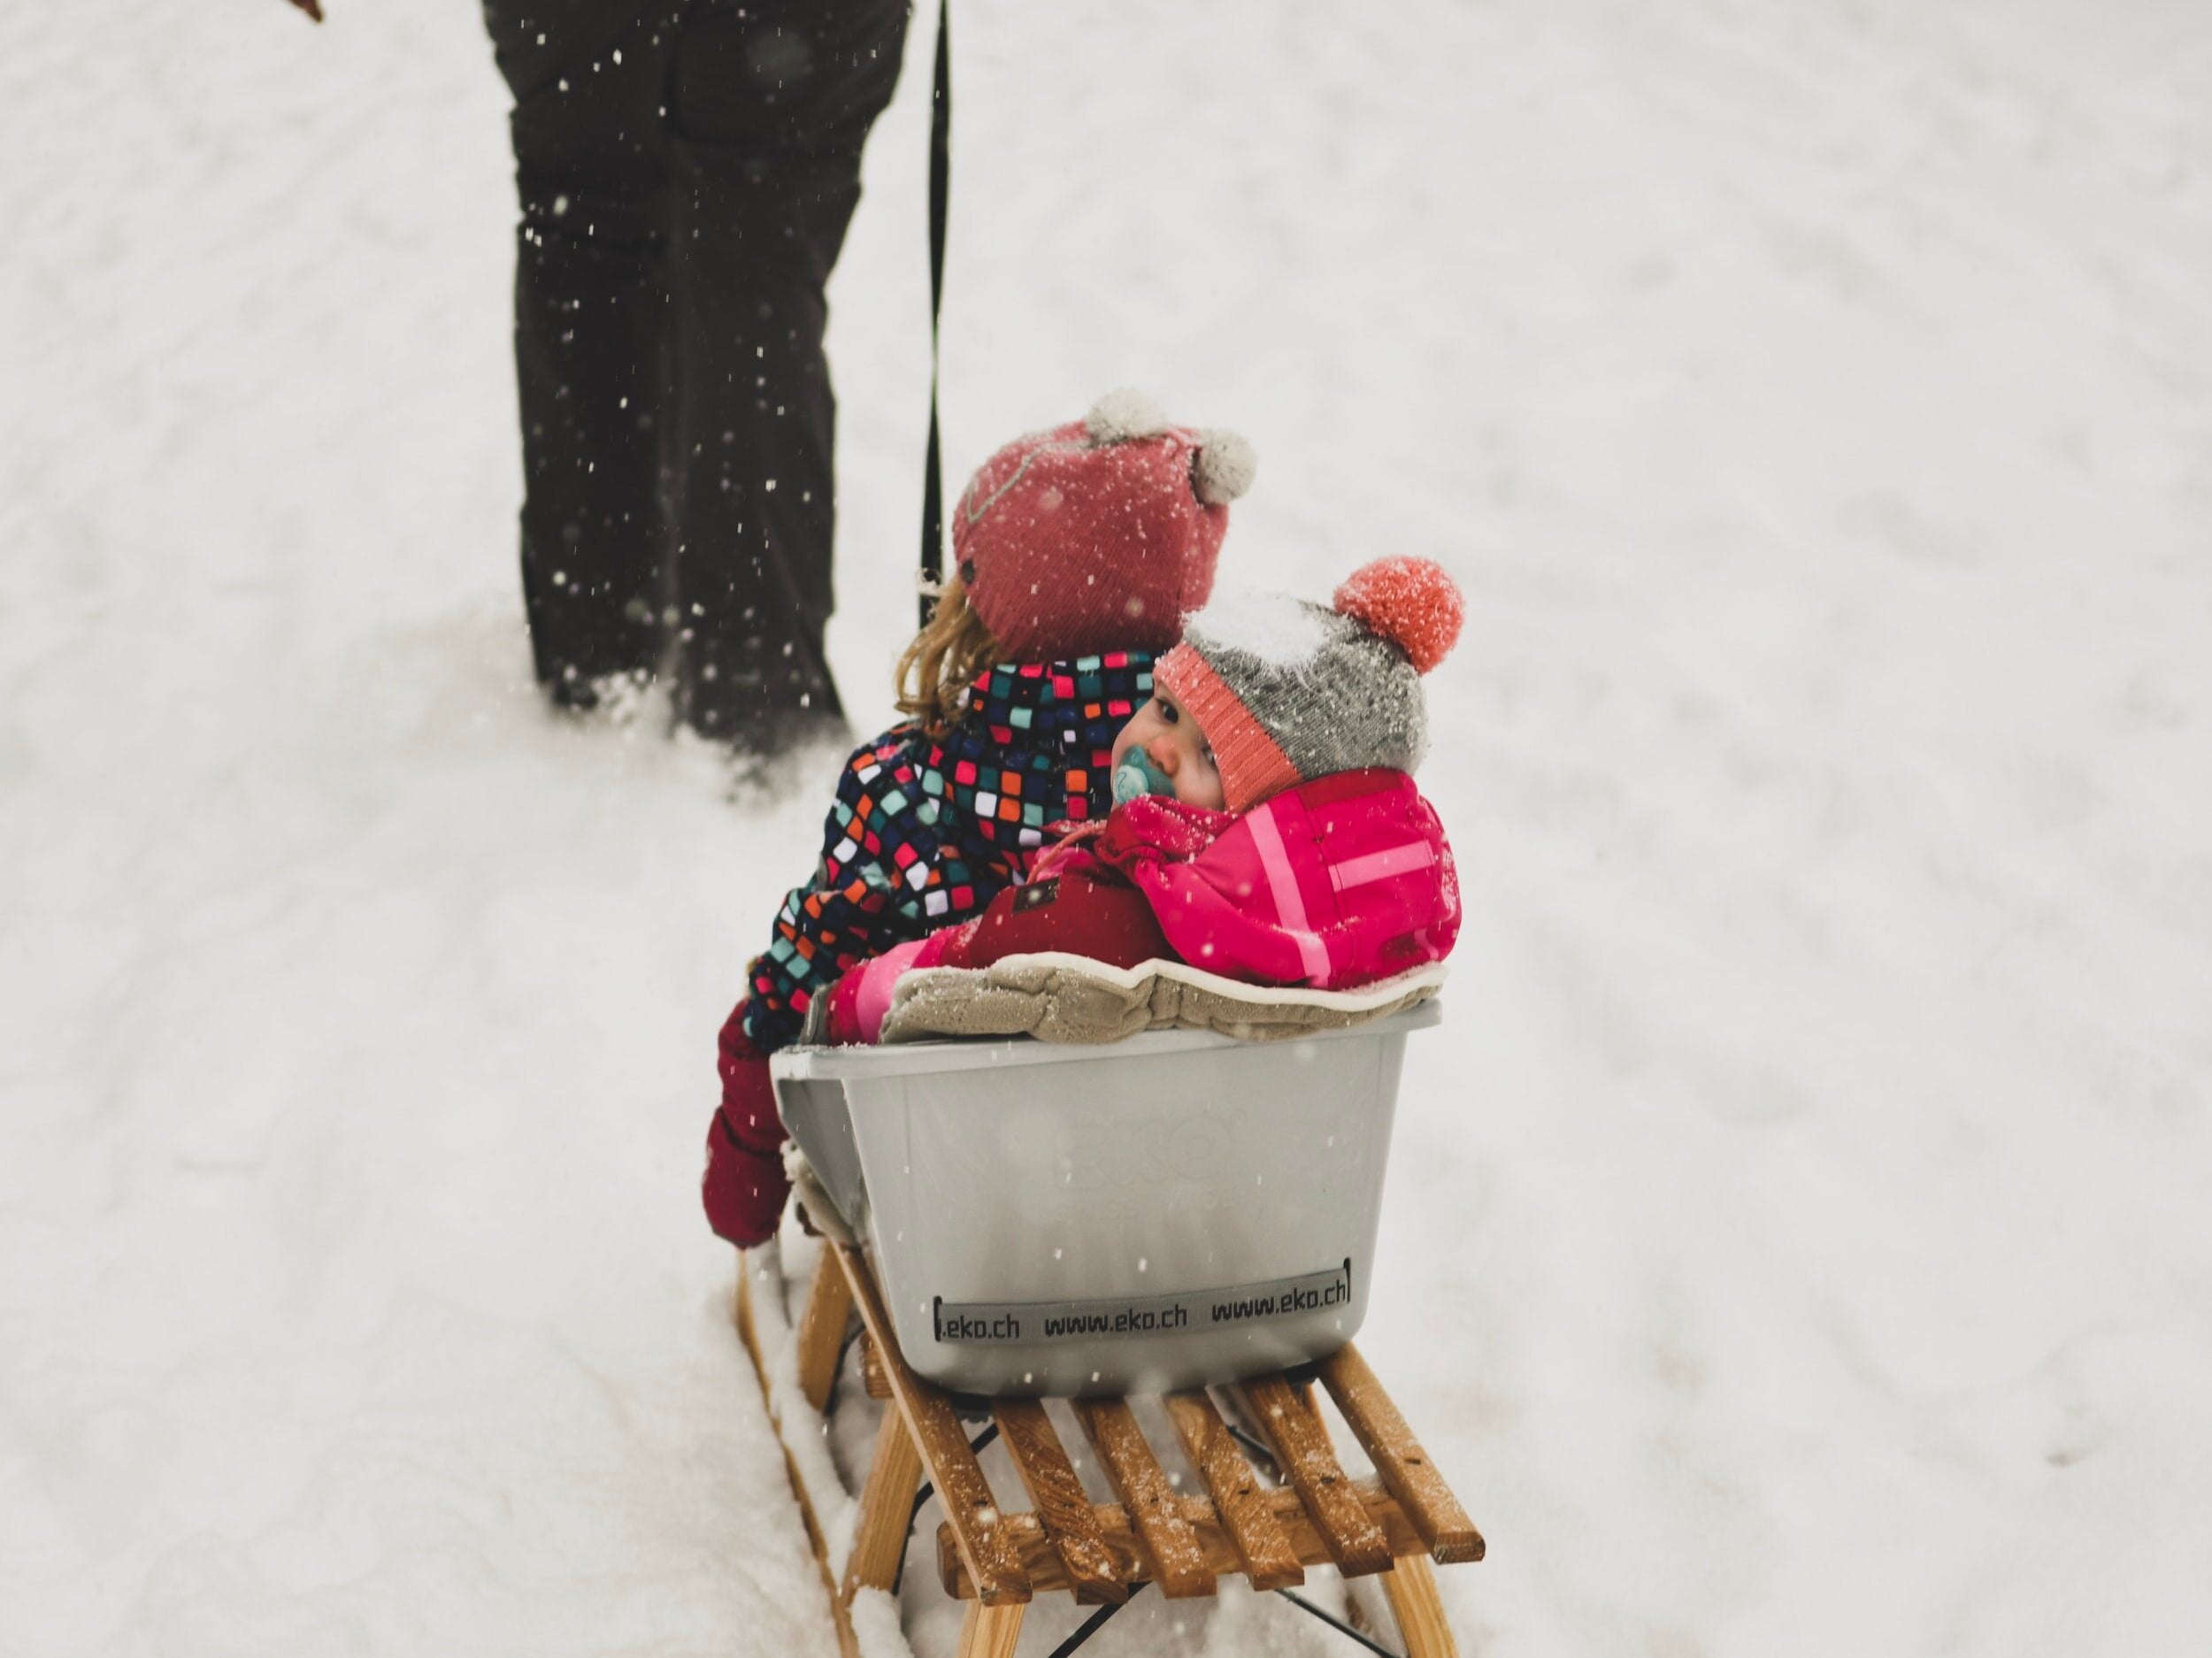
(1397, 1457)
(1062, 1507)
(990, 1632)
(1419, 1609)
(1301, 1448)
(886, 1510)
(1306, 1545)
(1179, 1563)
(970, 1509)
(871, 1377)
(829, 1307)
(1264, 1552)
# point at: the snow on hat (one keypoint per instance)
(1100, 534)
(1287, 691)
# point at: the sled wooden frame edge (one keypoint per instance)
(749, 1332)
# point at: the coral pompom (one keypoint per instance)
(1410, 601)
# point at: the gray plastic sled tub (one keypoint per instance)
(1176, 1209)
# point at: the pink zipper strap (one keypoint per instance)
(1282, 885)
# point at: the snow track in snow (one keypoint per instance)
(1799, 1236)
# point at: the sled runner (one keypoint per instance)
(1026, 1243)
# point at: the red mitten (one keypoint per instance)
(744, 1186)
(1085, 912)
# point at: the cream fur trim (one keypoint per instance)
(1125, 414)
(1223, 469)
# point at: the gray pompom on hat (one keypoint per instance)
(1287, 691)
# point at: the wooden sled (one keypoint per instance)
(997, 1557)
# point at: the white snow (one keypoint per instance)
(1800, 1237)
(876, 1625)
(1282, 629)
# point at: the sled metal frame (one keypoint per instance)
(1398, 1525)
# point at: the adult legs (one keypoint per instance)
(770, 106)
(590, 303)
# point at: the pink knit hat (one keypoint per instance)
(1098, 535)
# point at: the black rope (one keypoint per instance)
(1092, 1624)
(1251, 1444)
(1335, 1622)
(837, 1373)
(940, 194)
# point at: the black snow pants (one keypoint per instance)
(687, 171)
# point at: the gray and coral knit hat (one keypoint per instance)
(1287, 691)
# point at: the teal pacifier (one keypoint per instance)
(1136, 777)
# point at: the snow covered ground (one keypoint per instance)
(1801, 1236)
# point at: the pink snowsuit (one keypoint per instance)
(1333, 883)
(1338, 882)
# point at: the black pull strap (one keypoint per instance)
(939, 190)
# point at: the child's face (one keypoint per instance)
(1172, 741)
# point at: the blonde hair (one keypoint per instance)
(953, 650)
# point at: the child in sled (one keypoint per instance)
(1267, 831)
(1076, 553)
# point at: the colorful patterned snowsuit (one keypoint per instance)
(922, 833)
